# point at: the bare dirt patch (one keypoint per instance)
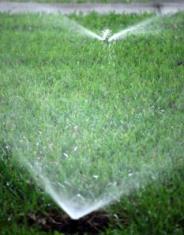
(91, 224)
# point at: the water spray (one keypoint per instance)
(105, 35)
(148, 26)
(78, 184)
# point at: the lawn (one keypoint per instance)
(96, 119)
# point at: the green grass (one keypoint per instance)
(120, 105)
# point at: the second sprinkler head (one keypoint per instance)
(106, 33)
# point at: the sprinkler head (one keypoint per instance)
(106, 33)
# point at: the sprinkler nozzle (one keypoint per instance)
(106, 33)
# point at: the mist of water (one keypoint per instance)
(68, 157)
(151, 25)
(77, 206)
(76, 27)
(63, 22)
(71, 158)
(83, 155)
(140, 28)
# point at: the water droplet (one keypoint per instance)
(65, 155)
(95, 176)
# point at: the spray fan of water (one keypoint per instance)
(151, 25)
(83, 160)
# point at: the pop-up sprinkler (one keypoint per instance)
(106, 34)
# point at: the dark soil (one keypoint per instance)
(180, 63)
(91, 224)
(52, 221)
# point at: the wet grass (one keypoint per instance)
(115, 103)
